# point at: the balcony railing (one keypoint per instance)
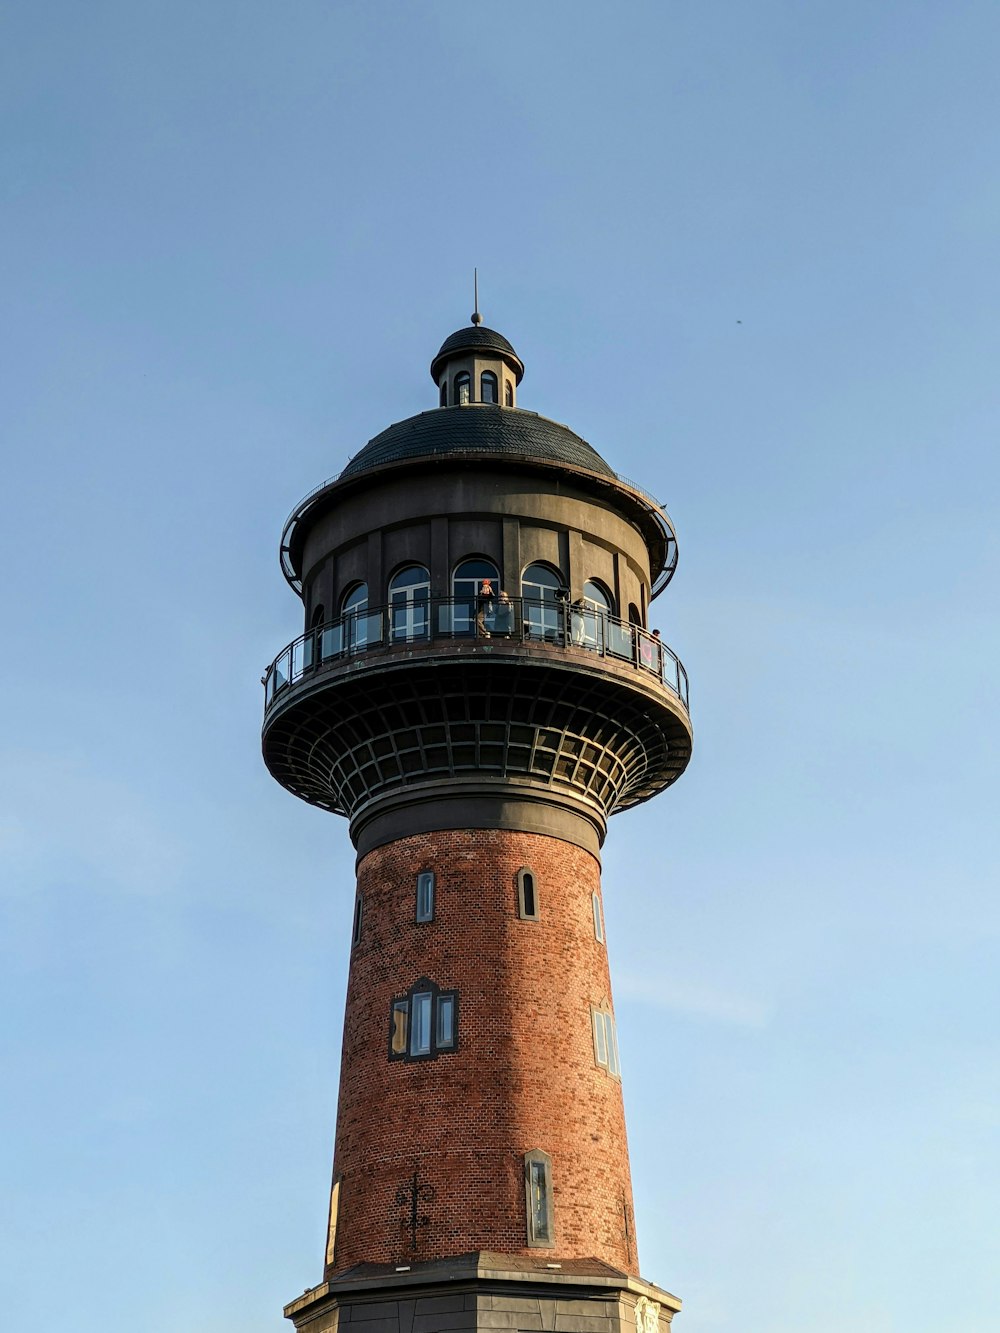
(517, 620)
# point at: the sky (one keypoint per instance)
(749, 252)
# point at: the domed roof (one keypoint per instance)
(478, 428)
(477, 338)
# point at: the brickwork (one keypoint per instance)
(523, 1075)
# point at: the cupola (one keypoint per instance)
(477, 365)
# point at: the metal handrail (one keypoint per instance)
(516, 620)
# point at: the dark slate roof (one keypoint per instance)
(477, 338)
(480, 428)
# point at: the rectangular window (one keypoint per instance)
(600, 1039)
(400, 1024)
(598, 920)
(358, 914)
(606, 1041)
(538, 1197)
(425, 896)
(420, 1024)
(445, 1022)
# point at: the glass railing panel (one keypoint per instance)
(302, 657)
(619, 640)
(282, 668)
(331, 642)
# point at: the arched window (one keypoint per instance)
(354, 618)
(488, 387)
(317, 616)
(409, 595)
(463, 388)
(444, 393)
(508, 394)
(590, 621)
(466, 585)
(544, 594)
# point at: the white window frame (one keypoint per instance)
(605, 1041)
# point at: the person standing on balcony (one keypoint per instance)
(503, 620)
(484, 608)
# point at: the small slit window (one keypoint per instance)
(538, 1198)
(359, 913)
(527, 894)
(425, 896)
(598, 919)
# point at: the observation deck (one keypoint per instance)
(539, 701)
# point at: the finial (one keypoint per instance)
(477, 318)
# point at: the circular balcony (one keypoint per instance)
(569, 703)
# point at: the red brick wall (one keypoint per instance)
(523, 1075)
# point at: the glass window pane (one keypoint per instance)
(400, 1011)
(330, 641)
(543, 591)
(487, 387)
(466, 584)
(539, 1193)
(600, 1039)
(420, 1025)
(445, 1022)
(528, 892)
(598, 922)
(613, 1066)
(425, 896)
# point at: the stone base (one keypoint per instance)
(485, 1293)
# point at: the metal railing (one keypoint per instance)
(515, 620)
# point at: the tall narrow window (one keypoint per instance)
(463, 388)
(331, 1226)
(508, 394)
(444, 393)
(527, 897)
(425, 896)
(420, 1023)
(399, 1027)
(538, 1197)
(359, 910)
(445, 1022)
(598, 920)
(487, 387)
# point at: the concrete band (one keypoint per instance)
(401, 816)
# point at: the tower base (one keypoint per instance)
(485, 1293)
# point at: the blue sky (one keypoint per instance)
(748, 251)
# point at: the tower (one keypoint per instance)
(477, 690)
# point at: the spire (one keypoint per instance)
(477, 318)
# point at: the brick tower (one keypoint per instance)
(477, 691)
